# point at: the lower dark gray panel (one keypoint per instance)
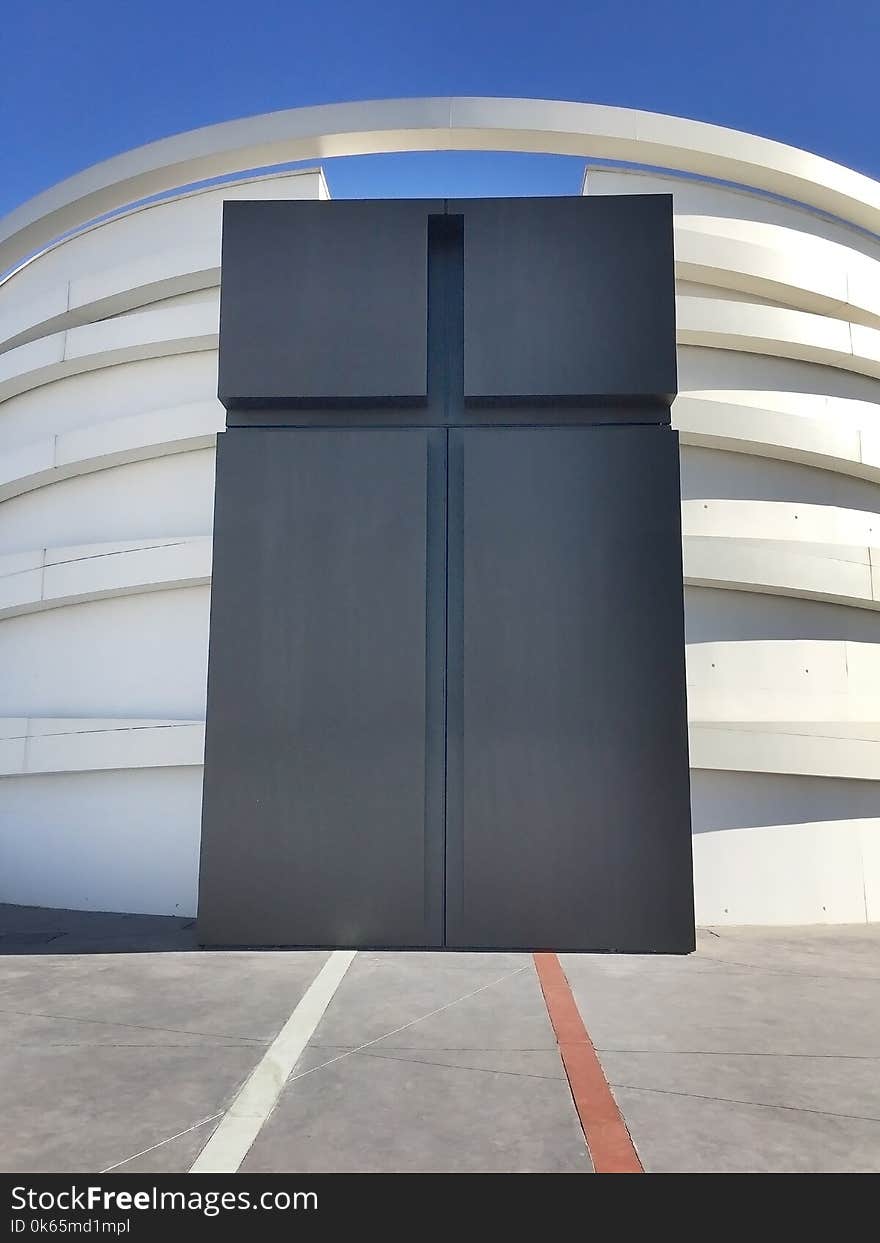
(322, 820)
(568, 823)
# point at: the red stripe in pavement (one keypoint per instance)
(608, 1140)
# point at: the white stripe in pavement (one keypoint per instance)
(242, 1122)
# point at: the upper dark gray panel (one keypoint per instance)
(568, 299)
(324, 303)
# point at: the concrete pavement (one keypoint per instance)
(761, 1052)
(124, 1045)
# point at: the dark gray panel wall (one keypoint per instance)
(323, 302)
(568, 812)
(324, 736)
(462, 734)
(568, 298)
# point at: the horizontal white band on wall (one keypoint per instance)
(779, 332)
(63, 744)
(708, 705)
(111, 840)
(445, 123)
(50, 578)
(799, 270)
(114, 291)
(804, 748)
(807, 666)
(835, 573)
(788, 521)
(117, 442)
(784, 874)
(783, 680)
(827, 443)
(152, 333)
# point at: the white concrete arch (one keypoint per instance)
(448, 123)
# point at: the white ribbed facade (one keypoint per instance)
(108, 417)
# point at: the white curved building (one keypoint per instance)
(108, 418)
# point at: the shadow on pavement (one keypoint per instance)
(39, 930)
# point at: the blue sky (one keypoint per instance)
(84, 79)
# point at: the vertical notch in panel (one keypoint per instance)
(455, 874)
(446, 314)
(435, 687)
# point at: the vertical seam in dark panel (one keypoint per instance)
(435, 715)
(435, 686)
(439, 303)
(455, 408)
(455, 690)
(445, 679)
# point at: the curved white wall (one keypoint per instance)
(779, 417)
(108, 418)
(108, 421)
